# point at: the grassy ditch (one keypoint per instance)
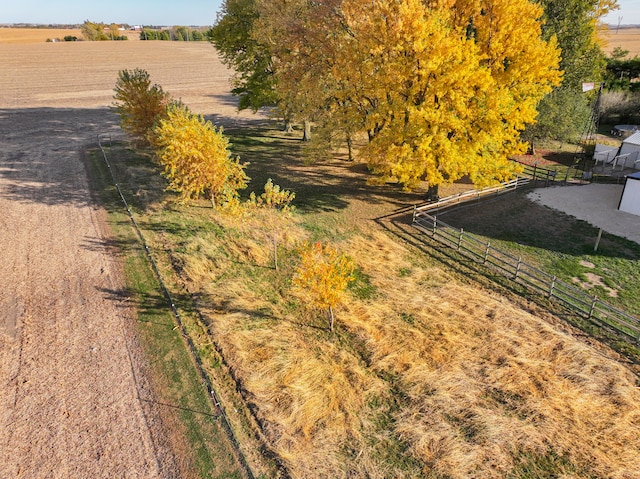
(426, 375)
(196, 433)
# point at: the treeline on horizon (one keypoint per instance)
(176, 34)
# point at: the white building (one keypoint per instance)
(630, 199)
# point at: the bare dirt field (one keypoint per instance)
(36, 35)
(625, 38)
(71, 376)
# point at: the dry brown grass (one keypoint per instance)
(429, 378)
(625, 38)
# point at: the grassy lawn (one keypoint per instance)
(560, 245)
(428, 373)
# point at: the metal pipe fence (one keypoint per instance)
(513, 268)
(105, 140)
(473, 195)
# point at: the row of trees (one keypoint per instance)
(196, 161)
(193, 153)
(93, 31)
(180, 34)
(439, 88)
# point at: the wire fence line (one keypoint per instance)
(513, 268)
(212, 395)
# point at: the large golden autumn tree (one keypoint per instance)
(443, 88)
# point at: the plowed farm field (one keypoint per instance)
(71, 373)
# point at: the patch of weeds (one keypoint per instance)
(361, 286)
(546, 466)
(404, 272)
(408, 318)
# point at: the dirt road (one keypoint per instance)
(70, 371)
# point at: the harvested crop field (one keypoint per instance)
(71, 373)
(36, 35)
(625, 38)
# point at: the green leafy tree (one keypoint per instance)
(139, 103)
(196, 158)
(322, 277)
(234, 37)
(565, 112)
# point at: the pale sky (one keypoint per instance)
(133, 12)
(629, 11)
(165, 12)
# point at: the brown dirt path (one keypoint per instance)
(70, 373)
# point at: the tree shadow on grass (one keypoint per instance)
(516, 219)
(322, 186)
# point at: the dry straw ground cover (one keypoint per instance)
(425, 376)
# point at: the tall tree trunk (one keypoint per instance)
(288, 125)
(307, 131)
(432, 193)
(350, 146)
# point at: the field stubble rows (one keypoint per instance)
(71, 370)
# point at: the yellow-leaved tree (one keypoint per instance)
(139, 103)
(196, 158)
(443, 88)
(322, 277)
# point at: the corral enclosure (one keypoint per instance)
(452, 377)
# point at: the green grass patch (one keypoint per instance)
(197, 436)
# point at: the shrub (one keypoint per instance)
(273, 197)
(196, 158)
(139, 103)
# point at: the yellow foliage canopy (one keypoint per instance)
(322, 277)
(196, 158)
(443, 87)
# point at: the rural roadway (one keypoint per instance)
(71, 373)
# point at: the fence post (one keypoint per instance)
(593, 306)
(553, 285)
(435, 219)
(486, 253)
(460, 238)
(517, 268)
(415, 208)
